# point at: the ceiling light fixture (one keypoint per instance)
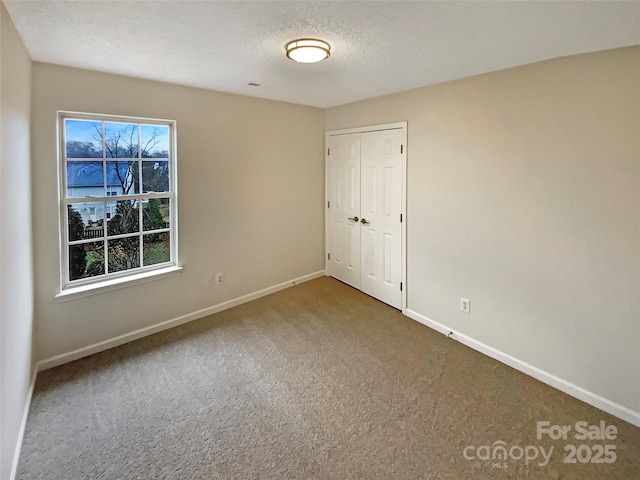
(308, 50)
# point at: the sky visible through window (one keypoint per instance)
(84, 140)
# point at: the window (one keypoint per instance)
(117, 197)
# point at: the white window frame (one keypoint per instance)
(109, 281)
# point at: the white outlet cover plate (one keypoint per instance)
(465, 305)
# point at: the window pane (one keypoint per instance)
(123, 217)
(86, 260)
(122, 176)
(154, 141)
(124, 253)
(156, 214)
(121, 140)
(83, 139)
(156, 248)
(85, 179)
(111, 166)
(155, 176)
(85, 220)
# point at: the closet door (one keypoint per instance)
(364, 223)
(380, 209)
(343, 191)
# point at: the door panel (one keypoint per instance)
(344, 200)
(387, 258)
(369, 252)
(368, 207)
(381, 190)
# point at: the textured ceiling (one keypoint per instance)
(379, 47)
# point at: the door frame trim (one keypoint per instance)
(403, 200)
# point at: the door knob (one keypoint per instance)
(354, 219)
(364, 221)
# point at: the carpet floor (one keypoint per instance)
(318, 381)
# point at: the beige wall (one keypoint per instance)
(524, 196)
(251, 189)
(16, 274)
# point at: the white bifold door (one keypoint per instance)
(364, 212)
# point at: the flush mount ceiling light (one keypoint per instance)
(308, 50)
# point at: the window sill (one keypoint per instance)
(116, 283)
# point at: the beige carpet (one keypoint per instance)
(315, 382)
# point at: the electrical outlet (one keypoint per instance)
(208, 281)
(219, 278)
(465, 305)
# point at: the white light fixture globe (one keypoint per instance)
(308, 50)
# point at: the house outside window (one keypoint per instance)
(117, 196)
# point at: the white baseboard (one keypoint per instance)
(569, 388)
(143, 332)
(23, 425)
